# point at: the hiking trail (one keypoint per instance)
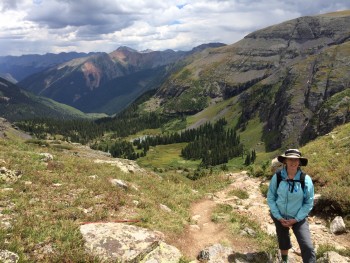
(203, 232)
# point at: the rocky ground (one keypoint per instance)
(205, 232)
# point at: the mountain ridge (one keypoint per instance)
(17, 104)
(279, 74)
(19, 67)
(72, 81)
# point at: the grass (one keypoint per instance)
(329, 168)
(225, 108)
(327, 247)
(51, 200)
(167, 157)
(241, 194)
(236, 222)
(251, 136)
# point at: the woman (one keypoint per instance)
(290, 205)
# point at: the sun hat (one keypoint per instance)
(292, 153)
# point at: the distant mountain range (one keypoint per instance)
(106, 82)
(16, 68)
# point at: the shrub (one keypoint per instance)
(241, 194)
(264, 188)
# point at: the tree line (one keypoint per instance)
(210, 143)
(85, 131)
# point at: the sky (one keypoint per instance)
(54, 26)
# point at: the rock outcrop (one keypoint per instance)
(8, 257)
(9, 176)
(333, 257)
(127, 243)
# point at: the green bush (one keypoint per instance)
(259, 170)
(241, 194)
(264, 188)
(38, 142)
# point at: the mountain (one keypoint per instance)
(106, 82)
(19, 67)
(292, 79)
(17, 104)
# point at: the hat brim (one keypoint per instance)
(303, 161)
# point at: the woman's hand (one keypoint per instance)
(288, 222)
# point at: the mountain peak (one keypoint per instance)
(125, 48)
(147, 51)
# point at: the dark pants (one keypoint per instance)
(302, 233)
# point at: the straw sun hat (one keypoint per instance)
(292, 153)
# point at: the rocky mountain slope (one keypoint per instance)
(106, 82)
(19, 67)
(292, 76)
(17, 104)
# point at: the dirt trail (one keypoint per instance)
(203, 232)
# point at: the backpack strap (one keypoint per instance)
(279, 178)
(302, 179)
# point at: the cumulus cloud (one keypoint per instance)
(40, 26)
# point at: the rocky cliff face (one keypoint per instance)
(294, 76)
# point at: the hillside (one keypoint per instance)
(291, 80)
(50, 189)
(17, 104)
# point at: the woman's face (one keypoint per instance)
(292, 163)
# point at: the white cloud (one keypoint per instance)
(40, 26)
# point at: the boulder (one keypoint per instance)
(165, 208)
(163, 253)
(253, 257)
(215, 253)
(127, 243)
(119, 183)
(8, 257)
(46, 157)
(333, 257)
(337, 225)
(276, 165)
(9, 176)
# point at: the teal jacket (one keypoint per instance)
(286, 204)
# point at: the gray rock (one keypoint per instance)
(9, 176)
(248, 231)
(163, 253)
(46, 157)
(254, 257)
(333, 257)
(216, 253)
(165, 208)
(127, 243)
(337, 225)
(119, 183)
(8, 257)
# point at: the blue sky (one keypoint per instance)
(42, 26)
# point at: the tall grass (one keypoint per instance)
(329, 168)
